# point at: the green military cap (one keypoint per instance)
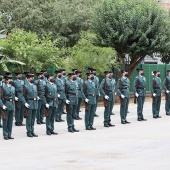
(168, 71)
(29, 75)
(89, 73)
(156, 71)
(74, 69)
(139, 69)
(106, 72)
(71, 74)
(77, 72)
(26, 72)
(39, 73)
(18, 73)
(58, 71)
(8, 73)
(6, 77)
(43, 70)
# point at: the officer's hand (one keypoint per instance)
(38, 98)
(154, 94)
(106, 97)
(136, 94)
(67, 101)
(27, 105)
(86, 100)
(4, 107)
(16, 98)
(122, 96)
(47, 105)
(167, 91)
(59, 95)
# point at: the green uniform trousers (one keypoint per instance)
(70, 113)
(0, 116)
(140, 103)
(89, 115)
(124, 109)
(40, 111)
(30, 120)
(107, 112)
(97, 97)
(19, 112)
(60, 109)
(7, 123)
(156, 105)
(78, 107)
(167, 105)
(50, 119)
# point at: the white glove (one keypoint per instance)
(136, 94)
(86, 100)
(47, 105)
(59, 95)
(27, 105)
(38, 98)
(115, 93)
(154, 94)
(4, 107)
(67, 101)
(99, 94)
(16, 98)
(122, 96)
(106, 97)
(167, 91)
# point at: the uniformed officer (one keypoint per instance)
(19, 106)
(1, 82)
(41, 97)
(31, 97)
(107, 89)
(61, 95)
(25, 77)
(8, 97)
(166, 87)
(80, 93)
(156, 94)
(97, 91)
(90, 101)
(51, 105)
(139, 86)
(72, 96)
(123, 86)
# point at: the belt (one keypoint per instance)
(32, 99)
(91, 95)
(110, 90)
(55, 99)
(143, 88)
(9, 100)
(157, 88)
(126, 88)
(76, 94)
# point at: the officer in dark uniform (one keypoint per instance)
(72, 96)
(139, 86)
(156, 94)
(123, 86)
(1, 82)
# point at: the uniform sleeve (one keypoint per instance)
(164, 85)
(118, 88)
(134, 84)
(152, 90)
(102, 87)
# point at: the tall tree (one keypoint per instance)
(137, 28)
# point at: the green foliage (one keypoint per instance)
(85, 54)
(137, 28)
(28, 48)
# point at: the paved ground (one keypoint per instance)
(140, 145)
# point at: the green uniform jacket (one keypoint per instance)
(141, 82)
(125, 87)
(89, 91)
(166, 86)
(110, 88)
(1, 103)
(41, 90)
(156, 86)
(9, 93)
(96, 81)
(64, 79)
(51, 94)
(31, 96)
(80, 88)
(72, 92)
(61, 88)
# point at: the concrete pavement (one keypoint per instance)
(139, 145)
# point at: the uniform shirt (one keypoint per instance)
(166, 86)
(156, 86)
(96, 81)
(80, 87)
(60, 88)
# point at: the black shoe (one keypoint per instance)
(42, 122)
(155, 117)
(48, 133)
(144, 119)
(112, 114)
(123, 122)
(159, 117)
(17, 124)
(75, 130)
(79, 118)
(6, 138)
(79, 110)
(29, 135)
(39, 123)
(57, 120)
(88, 128)
(10, 137)
(106, 125)
(110, 124)
(71, 131)
(64, 113)
(0, 126)
(61, 120)
(127, 122)
(96, 115)
(21, 124)
(76, 118)
(139, 119)
(168, 114)
(34, 135)
(54, 133)
(92, 128)
(128, 112)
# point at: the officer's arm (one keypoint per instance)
(152, 91)
(118, 88)
(102, 87)
(134, 85)
(164, 85)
